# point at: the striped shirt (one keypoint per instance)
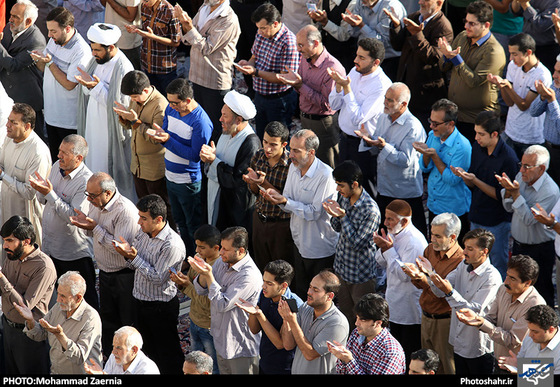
(61, 239)
(118, 218)
(187, 134)
(157, 58)
(155, 256)
(274, 55)
(551, 111)
(383, 355)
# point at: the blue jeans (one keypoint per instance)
(274, 109)
(499, 255)
(202, 340)
(186, 208)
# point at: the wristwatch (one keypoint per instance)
(552, 225)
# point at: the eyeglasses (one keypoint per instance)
(470, 23)
(92, 196)
(174, 103)
(435, 124)
(525, 166)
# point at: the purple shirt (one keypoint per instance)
(317, 84)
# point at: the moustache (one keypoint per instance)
(507, 286)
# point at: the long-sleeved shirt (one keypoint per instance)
(551, 128)
(229, 327)
(377, 24)
(119, 218)
(401, 295)
(524, 227)
(537, 20)
(61, 239)
(86, 13)
(213, 47)
(355, 248)
(309, 223)
(474, 289)
(398, 170)
(364, 103)
(317, 83)
(505, 319)
(156, 255)
(274, 55)
(30, 281)
(469, 87)
(187, 134)
(446, 191)
(83, 329)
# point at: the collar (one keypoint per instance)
(34, 254)
(135, 363)
(483, 40)
(72, 174)
(523, 296)
(540, 181)
(242, 262)
(451, 139)
(116, 197)
(79, 312)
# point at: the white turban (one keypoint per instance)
(240, 104)
(104, 34)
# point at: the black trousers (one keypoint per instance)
(157, 323)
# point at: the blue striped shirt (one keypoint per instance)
(551, 129)
(187, 134)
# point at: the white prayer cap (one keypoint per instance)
(103, 33)
(240, 104)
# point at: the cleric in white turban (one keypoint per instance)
(104, 34)
(240, 104)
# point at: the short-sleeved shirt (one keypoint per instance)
(61, 105)
(333, 326)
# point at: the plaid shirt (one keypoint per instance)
(275, 175)
(274, 55)
(355, 252)
(159, 58)
(383, 355)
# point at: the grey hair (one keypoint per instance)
(75, 282)
(543, 157)
(402, 90)
(312, 33)
(31, 10)
(133, 337)
(451, 222)
(202, 361)
(106, 182)
(79, 144)
(311, 139)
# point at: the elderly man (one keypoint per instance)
(230, 202)
(398, 172)
(127, 356)
(308, 185)
(314, 85)
(72, 327)
(61, 192)
(212, 36)
(155, 252)
(532, 186)
(23, 154)
(100, 87)
(22, 81)
(444, 254)
(401, 243)
(28, 277)
(110, 216)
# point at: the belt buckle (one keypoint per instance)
(262, 217)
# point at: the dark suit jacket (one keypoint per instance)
(22, 80)
(419, 63)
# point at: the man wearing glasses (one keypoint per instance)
(446, 147)
(473, 55)
(111, 216)
(531, 193)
